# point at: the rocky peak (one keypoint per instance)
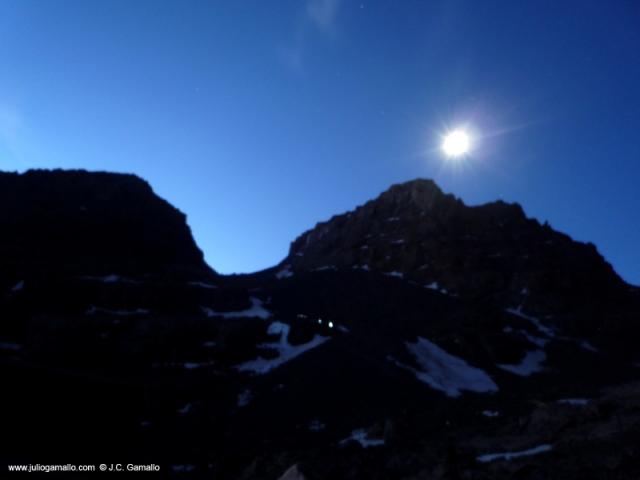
(415, 231)
(91, 223)
(422, 193)
(406, 213)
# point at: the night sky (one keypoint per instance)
(260, 118)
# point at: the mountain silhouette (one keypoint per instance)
(413, 337)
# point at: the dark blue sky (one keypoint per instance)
(260, 118)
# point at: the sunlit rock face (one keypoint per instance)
(491, 250)
(92, 223)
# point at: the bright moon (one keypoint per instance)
(456, 143)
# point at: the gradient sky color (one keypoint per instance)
(260, 118)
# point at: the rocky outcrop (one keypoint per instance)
(91, 223)
(492, 250)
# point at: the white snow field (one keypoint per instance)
(286, 351)
(446, 372)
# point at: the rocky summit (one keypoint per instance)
(80, 222)
(413, 338)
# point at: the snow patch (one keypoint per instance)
(93, 310)
(490, 413)
(399, 241)
(284, 273)
(17, 287)
(549, 332)
(256, 310)
(531, 363)
(186, 409)
(202, 285)
(113, 278)
(537, 341)
(360, 436)
(576, 402)
(436, 286)
(446, 372)
(316, 426)
(278, 328)
(490, 457)
(364, 267)
(587, 346)
(244, 398)
(395, 274)
(194, 365)
(286, 351)
(324, 268)
(184, 365)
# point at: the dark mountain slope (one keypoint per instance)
(491, 250)
(359, 356)
(91, 224)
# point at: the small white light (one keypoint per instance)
(320, 321)
(330, 324)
